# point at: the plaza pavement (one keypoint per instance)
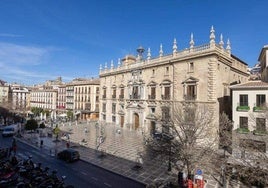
(121, 151)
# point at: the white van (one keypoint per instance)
(10, 130)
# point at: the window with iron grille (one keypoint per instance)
(243, 122)
(260, 100)
(243, 100)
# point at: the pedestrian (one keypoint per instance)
(41, 143)
(67, 144)
(14, 146)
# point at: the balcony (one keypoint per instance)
(242, 108)
(165, 97)
(189, 97)
(259, 108)
(260, 132)
(242, 130)
(151, 97)
(135, 96)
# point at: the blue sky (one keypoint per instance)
(43, 39)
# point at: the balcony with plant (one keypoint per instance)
(242, 107)
(242, 130)
(260, 132)
(260, 108)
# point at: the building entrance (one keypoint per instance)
(136, 121)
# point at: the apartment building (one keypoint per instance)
(19, 98)
(249, 104)
(140, 90)
(82, 98)
(45, 98)
(4, 92)
(61, 102)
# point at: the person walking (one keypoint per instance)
(14, 146)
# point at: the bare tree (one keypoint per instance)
(189, 137)
(246, 160)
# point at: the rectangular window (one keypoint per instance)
(114, 94)
(243, 122)
(113, 108)
(243, 100)
(135, 92)
(191, 67)
(104, 117)
(166, 93)
(152, 92)
(167, 70)
(260, 124)
(121, 93)
(165, 114)
(191, 92)
(260, 100)
(104, 107)
(113, 119)
(104, 94)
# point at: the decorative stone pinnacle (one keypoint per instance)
(221, 41)
(105, 67)
(212, 35)
(112, 64)
(119, 62)
(192, 41)
(161, 50)
(149, 54)
(228, 47)
(175, 46)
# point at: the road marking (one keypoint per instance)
(108, 185)
(96, 179)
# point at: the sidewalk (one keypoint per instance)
(125, 163)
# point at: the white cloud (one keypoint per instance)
(14, 54)
(17, 61)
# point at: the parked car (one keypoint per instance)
(69, 155)
(10, 130)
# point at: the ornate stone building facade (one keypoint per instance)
(141, 91)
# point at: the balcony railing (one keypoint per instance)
(260, 108)
(151, 97)
(243, 108)
(165, 97)
(190, 97)
(134, 96)
(242, 130)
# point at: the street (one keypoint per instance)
(79, 174)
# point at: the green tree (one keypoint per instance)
(31, 125)
(36, 111)
(56, 132)
(70, 115)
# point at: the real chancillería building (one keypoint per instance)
(140, 88)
